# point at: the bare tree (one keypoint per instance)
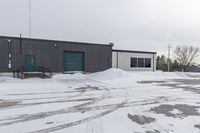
(185, 56)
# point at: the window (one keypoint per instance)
(133, 62)
(141, 62)
(148, 62)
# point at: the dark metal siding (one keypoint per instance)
(3, 55)
(96, 57)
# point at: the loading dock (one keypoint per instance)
(73, 61)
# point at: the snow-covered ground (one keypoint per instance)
(113, 101)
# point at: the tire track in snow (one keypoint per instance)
(81, 91)
(80, 121)
(27, 117)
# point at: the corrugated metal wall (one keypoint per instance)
(96, 57)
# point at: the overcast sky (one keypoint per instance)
(147, 25)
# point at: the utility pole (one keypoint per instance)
(20, 43)
(169, 49)
(30, 19)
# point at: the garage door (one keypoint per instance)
(73, 61)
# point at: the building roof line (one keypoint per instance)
(56, 41)
(131, 51)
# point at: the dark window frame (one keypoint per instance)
(149, 63)
(135, 62)
(141, 62)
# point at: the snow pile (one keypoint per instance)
(76, 76)
(119, 77)
(115, 74)
(114, 77)
(110, 74)
(159, 75)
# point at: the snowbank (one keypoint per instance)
(69, 76)
(111, 74)
(120, 77)
(114, 77)
(159, 75)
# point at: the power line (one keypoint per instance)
(30, 18)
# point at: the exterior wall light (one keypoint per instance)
(9, 40)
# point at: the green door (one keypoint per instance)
(30, 63)
(73, 61)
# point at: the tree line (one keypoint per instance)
(184, 59)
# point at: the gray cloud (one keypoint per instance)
(130, 24)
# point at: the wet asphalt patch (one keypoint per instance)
(5, 104)
(152, 131)
(197, 126)
(49, 123)
(188, 81)
(90, 88)
(193, 75)
(184, 110)
(141, 120)
(150, 82)
(177, 84)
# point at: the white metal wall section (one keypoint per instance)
(122, 60)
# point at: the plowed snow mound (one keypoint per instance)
(69, 76)
(111, 74)
(120, 77)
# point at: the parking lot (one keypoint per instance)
(85, 103)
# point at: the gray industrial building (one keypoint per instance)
(57, 56)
